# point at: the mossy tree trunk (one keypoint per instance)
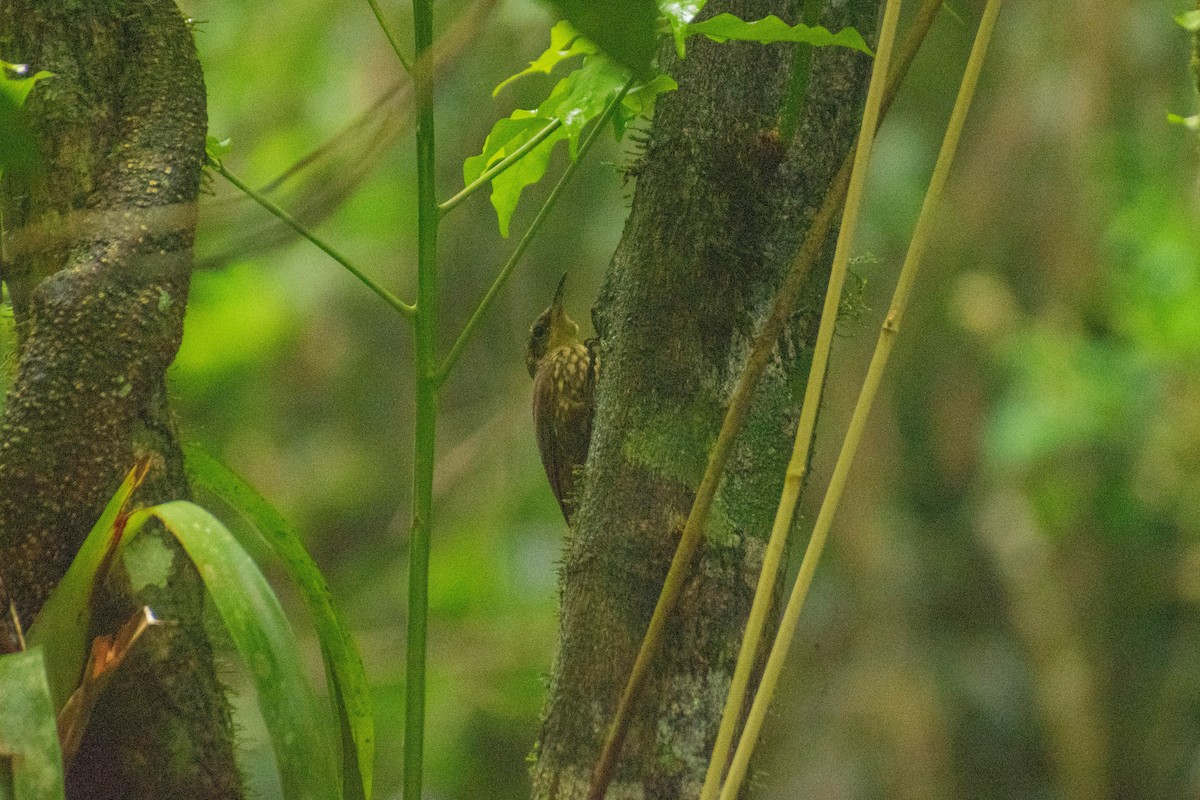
(720, 209)
(97, 257)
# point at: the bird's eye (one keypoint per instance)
(541, 329)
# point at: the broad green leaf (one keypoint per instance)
(625, 30)
(1190, 20)
(565, 42)
(678, 14)
(18, 150)
(262, 635)
(61, 627)
(28, 733)
(215, 148)
(343, 663)
(583, 95)
(725, 27)
(17, 89)
(507, 136)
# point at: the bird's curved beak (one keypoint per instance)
(562, 327)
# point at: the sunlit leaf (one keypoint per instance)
(1189, 20)
(1192, 123)
(583, 95)
(678, 14)
(265, 641)
(343, 663)
(625, 30)
(18, 150)
(725, 27)
(60, 628)
(30, 762)
(565, 42)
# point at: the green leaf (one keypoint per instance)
(262, 635)
(215, 148)
(625, 30)
(1190, 20)
(507, 136)
(343, 663)
(28, 732)
(725, 27)
(18, 148)
(639, 102)
(583, 95)
(678, 14)
(565, 42)
(1192, 123)
(61, 627)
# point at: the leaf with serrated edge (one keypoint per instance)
(725, 27)
(565, 42)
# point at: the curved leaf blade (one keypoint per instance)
(343, 662)
(625, 30)
(565, 42)
(264, 639)
(60, 628)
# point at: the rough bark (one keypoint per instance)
(720, 208)
(97, 257)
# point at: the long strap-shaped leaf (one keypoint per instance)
(343, 663)
(28, 734)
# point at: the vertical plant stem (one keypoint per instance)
(793, 105)
(426, 407)
(862, 409)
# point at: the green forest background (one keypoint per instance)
(1008, 607)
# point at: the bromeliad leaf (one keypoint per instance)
(343, 663)
(256, 623)
(726, 27)
(565, 42)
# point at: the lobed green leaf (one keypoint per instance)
(30, 760)
(565, 43)
(343, 662)
(769, 29)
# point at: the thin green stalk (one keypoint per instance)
(793, 104)
(389, 298)
(426, 408)
(735, 415)
(391, 37)
(501, 277)
(500, 166)
(862, 409)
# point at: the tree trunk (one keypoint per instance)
(720, 209)
(97, 257)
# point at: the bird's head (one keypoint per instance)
(552, 329)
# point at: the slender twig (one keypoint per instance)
(425, 425)
(391, 37)
(797, 467)
(500, 166)
(862, 409)
(501, 277)
(389, 298)
(735, 415)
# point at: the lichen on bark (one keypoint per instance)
(720, 208)
(97, 247)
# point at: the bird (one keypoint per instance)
(564, 371)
